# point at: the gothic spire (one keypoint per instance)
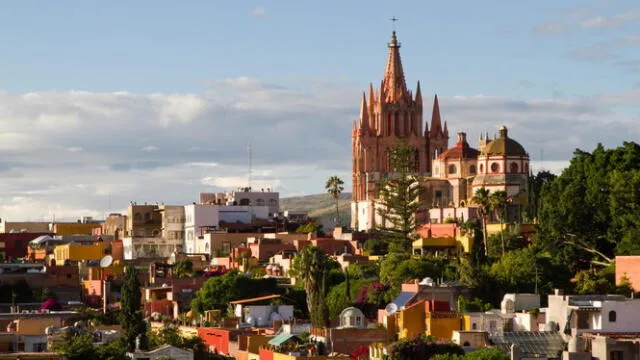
(418, 94)
(436, 126)
(394, 83)
(372, 98)
(364, 114)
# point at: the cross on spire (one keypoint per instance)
(393, 22)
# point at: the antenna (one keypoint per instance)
(250, 158)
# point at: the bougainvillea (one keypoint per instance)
(421, 347)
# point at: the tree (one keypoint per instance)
(334, 188)
(537, 183)
(481, 198)
(591, 212)
(399, 198)
(77, 347)
(131, 315)
(217, 292)
(498, 204)
(422, 347)
(396, 269)
(311, 267)
(183, 268)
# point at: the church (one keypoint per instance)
(450, 176)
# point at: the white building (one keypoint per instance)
(199, 219)
(574, 315)
(261, 315)
(245, 196)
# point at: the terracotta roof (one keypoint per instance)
(461, 150)
(252, 300)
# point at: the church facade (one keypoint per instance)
(450, 176)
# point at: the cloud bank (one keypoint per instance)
(68, 154)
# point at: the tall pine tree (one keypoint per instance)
(399, 199)
(131, 315)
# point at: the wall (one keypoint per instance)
(16, 245)
(36, 325)
(73, 252)
(74, 228)
(260, 315)
(441, 325)
(24, 226)
(348, 340)
(243, 214)
(411, 321)
(627, 315)
(628, 266)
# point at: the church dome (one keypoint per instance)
(503, 145)
(461, 150)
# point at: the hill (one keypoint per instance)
(321, 207)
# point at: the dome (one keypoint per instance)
(503, 145)
(461, 150)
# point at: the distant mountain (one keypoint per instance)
(321, 207)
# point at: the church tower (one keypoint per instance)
(388, 116)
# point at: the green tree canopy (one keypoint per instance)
(591, 212)
(399, 199)
(217, 292)
(334, 188)
(131, 314)
(311, 267)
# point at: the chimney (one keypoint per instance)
(558, 292)
(462, 137)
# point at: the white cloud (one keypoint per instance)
(259, 12)
(611, 21)
(150, 148)
(199, 141)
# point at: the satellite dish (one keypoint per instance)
(391, 308)
(106, 261)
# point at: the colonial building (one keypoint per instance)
(450, 176)
(389, 115)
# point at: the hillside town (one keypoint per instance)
(453, 251)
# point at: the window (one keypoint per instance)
(472, 169)
(260, 202)
(481, 168)
(513, 168)
(245, 202)
(612, 316)
(474, 326)
(147, 216)
(495, 167)
(526, 167)
(452, 169)
(616, 355)
(137, 216)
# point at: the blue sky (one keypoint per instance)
(106, 102)
(166, 46)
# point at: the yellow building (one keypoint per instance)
(441, 325)
(34, 325)
(67, 229)
(75, 252)
(417, 319)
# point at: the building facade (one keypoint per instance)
(449, 176)
(388, 116)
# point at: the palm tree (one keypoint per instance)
(498, 203)
(334, 188)
(310, 267)
(481, 198)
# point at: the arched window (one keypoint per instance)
(245, 202)
(612, 316)
(147, 216)
(273, 202)
(526, 167)
(416, 155)
(513, 168)
(137, 216)
(260, 202)
(495, 167)
(452, 169)
(481, 168)
(474, 326)
(472, 169)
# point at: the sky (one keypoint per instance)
(103, 103)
